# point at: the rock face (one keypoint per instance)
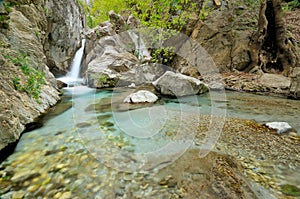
(113, 60)
(65, 27)
(24, 38)
(176, 84)
(228, 29)
(141, 96)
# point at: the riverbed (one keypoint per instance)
(94, 146)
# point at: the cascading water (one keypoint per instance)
(139, 45)
(72, 78)
(75, 67)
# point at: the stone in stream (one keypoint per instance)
(176, 84)
(140, 97)
(281, 127)
(83, 124)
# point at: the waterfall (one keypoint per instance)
(76, 63)
(72, 78)
(139, 45)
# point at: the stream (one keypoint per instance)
(94, 146)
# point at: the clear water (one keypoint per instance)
(89, 143)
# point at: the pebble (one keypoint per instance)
(18, 195)
(32, 188)
(57, 195)
(66, 195)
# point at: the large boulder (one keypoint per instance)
(111, 58)
(176, 84)
(113, 69)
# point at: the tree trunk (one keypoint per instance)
(272, 51)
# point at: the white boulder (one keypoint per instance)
(281, 127)
(141, 96)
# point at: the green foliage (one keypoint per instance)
(7, 6)
(98, 12)
(170, 14)
(291, 5)
(33, 79)
(103, 78)
(163, 55)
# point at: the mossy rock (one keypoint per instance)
(104, 117)
(290, 190)
(83, 125)
(106, 124)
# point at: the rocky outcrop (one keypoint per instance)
(235, 36)
(27, 87)
(114, 59)
(141, 96)
(65, 26)
(176, 84)
(229, 30)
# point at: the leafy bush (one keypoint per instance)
(98, 11)
(291, 5)
(33, 79)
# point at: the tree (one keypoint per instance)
(272, 51)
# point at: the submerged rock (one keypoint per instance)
(141, 97)
(281, 127)
(176, 84)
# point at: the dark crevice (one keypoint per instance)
(7, 151)
(270, 45)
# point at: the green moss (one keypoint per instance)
(103, 79)
(32, 80)
(290, 190)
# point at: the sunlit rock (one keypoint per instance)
(281, 127)
(176, 84)
(141, 97)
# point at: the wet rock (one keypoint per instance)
(32, 188)
(83, 125)
(61, 84)
(26, 175)
(66, 195)
(216, 86)
(107, 124)
(141, 96)
(175, 84)
(18, 195)
(281, 127)
(104, 117)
